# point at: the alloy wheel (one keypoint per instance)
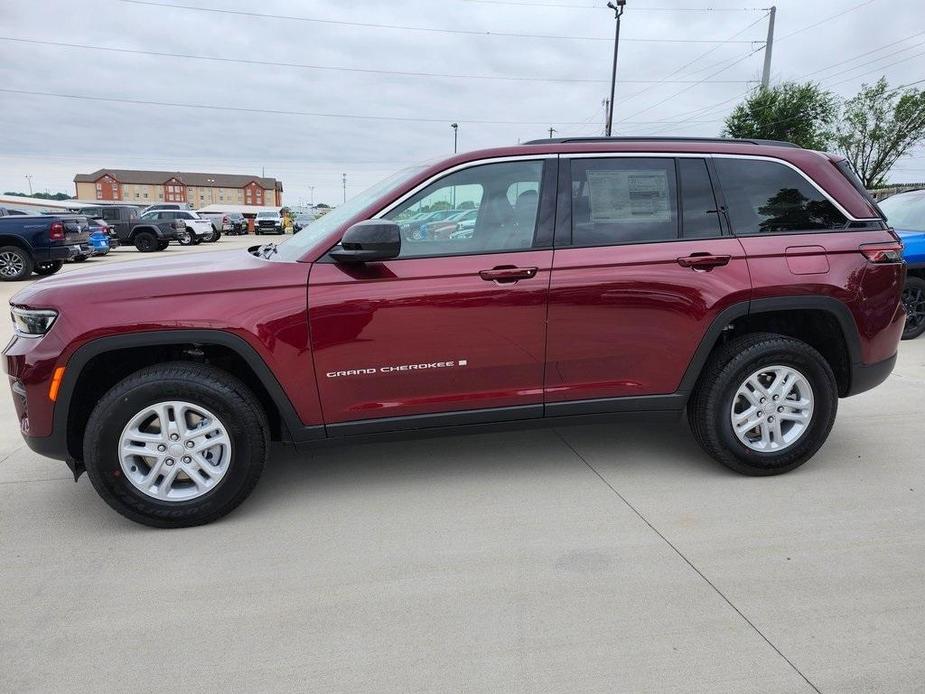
(772, 409)
(174, 451)
(913, 299)
(11, 264)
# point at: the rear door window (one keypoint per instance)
(766, 197)
(623, 200)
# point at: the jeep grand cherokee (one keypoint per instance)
(749, 283)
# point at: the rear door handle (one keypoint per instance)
(704, 261)
(508, 273)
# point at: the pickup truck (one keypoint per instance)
(41, 243)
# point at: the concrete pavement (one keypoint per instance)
(605, 558)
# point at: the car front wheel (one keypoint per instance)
(764, 404)
(176, 445)
(914, 303)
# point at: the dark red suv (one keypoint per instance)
(749, 283)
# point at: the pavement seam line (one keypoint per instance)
(686, 560)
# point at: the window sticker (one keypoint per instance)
(628, 196)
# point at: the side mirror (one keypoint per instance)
(374, 239)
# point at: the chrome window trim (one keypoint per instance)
(459, 167)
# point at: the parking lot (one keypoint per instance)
(596, 558)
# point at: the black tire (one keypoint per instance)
(162, 245)
(48, 268)
(195, 239)
(232, 403)
(79, 258)
(15, 263)
(145, 242)
(914, 301)
(711, 403)
(216, 235)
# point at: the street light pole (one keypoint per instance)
(311, 190)
(455, 127)
(211, 182)
(617, 13)
(29, 178)
(344, 176)
(551, 131)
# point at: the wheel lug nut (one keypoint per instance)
(162, 448)
(190, 444)
(777, 397)
(169, 461)
(187, 459)
(760, 413)
(763, 400)
(780, 409)
(174, 437)
(770, 419)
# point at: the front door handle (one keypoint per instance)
(704, 261)
(506, 274)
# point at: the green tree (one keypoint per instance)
(878, 126)
(804, 114)
(41, 196)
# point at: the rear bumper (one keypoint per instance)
(65, 252)
(867, 376)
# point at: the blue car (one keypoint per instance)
(99, 242)
(906, 214)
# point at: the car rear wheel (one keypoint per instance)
(764, 404)
(176, 445)
(48, 268)
(162, 245)
(145, 242)
(914, 302)
(79, 258)
(216, 235)
(15, 263)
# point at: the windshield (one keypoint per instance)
(295, 248)
(263, 215)
(905, 211)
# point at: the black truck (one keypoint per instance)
(40, 243)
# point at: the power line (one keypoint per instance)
(691, 86)
(879, 69)
(827, 19)
(336, 68)
(665, 80)
(315, 114)
(635, 9)
(875, 50)
(370, 25)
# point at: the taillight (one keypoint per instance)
(882, 252)
(56, 232)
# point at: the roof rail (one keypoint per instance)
(569, 140)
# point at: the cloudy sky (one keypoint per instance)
(305, 90)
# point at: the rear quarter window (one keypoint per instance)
(766, 197)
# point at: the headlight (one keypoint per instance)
(32, 322)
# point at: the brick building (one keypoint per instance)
(197, 189)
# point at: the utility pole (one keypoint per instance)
(29, 178)
(551, 131)
(605, 104)
(344, 178)
(617, 13)
(768, 49)
(455, 127)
